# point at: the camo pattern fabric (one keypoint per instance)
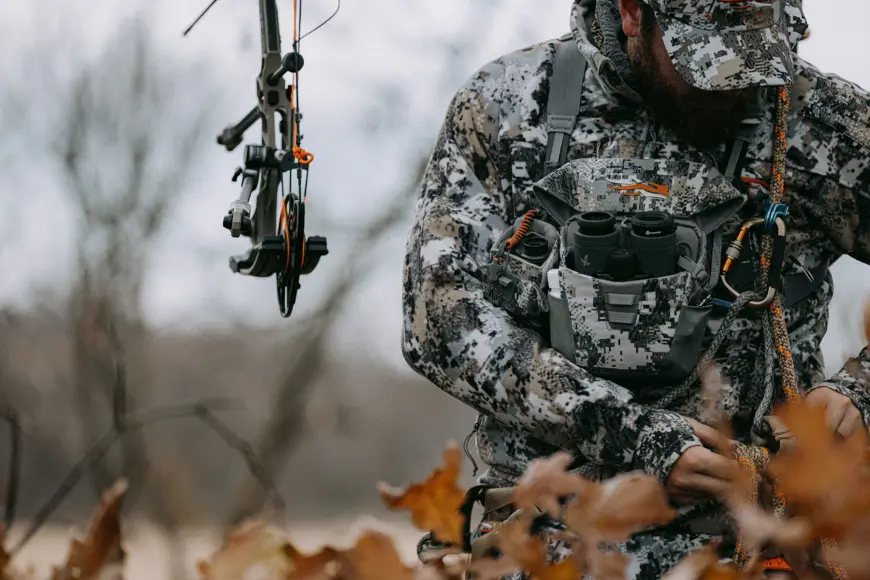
(648, 555)
(532, 400)
(718, 45)
(527, 297)
(676, 187)
(602, 344)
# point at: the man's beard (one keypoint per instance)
(704, 119)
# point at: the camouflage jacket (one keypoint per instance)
(532, 400)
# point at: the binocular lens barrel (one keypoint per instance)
(534, 248)
(654, 237)
(651, 245)
(594, 240)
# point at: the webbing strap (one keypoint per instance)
(563, 103)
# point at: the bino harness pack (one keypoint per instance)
(631, 262)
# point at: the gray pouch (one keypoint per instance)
(516, 276)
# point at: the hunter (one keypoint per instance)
(648, 133)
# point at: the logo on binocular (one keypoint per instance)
(638, 189)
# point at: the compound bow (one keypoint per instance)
(278, 246)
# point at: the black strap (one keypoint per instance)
(475, 494)
(563, 104)
(799, 286)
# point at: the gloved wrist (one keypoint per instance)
(664, 437)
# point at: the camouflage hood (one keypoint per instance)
(609, 63)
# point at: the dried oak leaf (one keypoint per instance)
(251, 548)
(620, 507)
(374, 558)
(703, 564)
(851, 553)
(100, 555)
(520, 550)
(546, 481)
(822, 475)
(434, 504)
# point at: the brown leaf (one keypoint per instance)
(606, 565)
(822, 475)
(100, 553)
(629, 503)
(703, 564)
(758, 528)
(434, 504)
(251, 546)
(321, 565)
(374, 558)
(545, 481)
(521, 550)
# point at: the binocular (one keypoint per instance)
(645, 245)
(534, 248)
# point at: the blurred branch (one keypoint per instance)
(13, 478)
(286, 427)
(125, 142)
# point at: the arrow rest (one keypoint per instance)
(278, 244)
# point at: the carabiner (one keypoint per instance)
(774, 281)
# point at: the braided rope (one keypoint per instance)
(737, 306)
(757, 458)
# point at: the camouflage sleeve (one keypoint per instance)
(853, 381)
(477, 352)
(831, 176)
(848, 221)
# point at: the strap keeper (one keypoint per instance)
(561, 123)
(771, 212)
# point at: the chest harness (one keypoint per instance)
(772, 293)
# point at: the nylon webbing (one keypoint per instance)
(563, 103)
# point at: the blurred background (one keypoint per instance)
(114, 191)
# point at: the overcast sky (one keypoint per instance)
(371, 45)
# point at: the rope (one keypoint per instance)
(775, 330)
(764, 405)
(690, 381)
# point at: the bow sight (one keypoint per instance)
(278, 247)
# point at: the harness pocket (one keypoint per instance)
(516, 276)
(626, 328)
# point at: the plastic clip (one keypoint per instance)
(771, 212)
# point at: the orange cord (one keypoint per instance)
(522, 230)
(301, 155)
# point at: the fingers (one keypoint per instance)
(709, 436)
(712, 487)
(700, 475)
(841, 415)
(834, 414)
(851, 422)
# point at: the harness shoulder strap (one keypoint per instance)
(563, 104)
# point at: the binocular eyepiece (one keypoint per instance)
(645, 245)
(534, 248)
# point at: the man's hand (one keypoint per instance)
(843, 417)
(701, 475)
